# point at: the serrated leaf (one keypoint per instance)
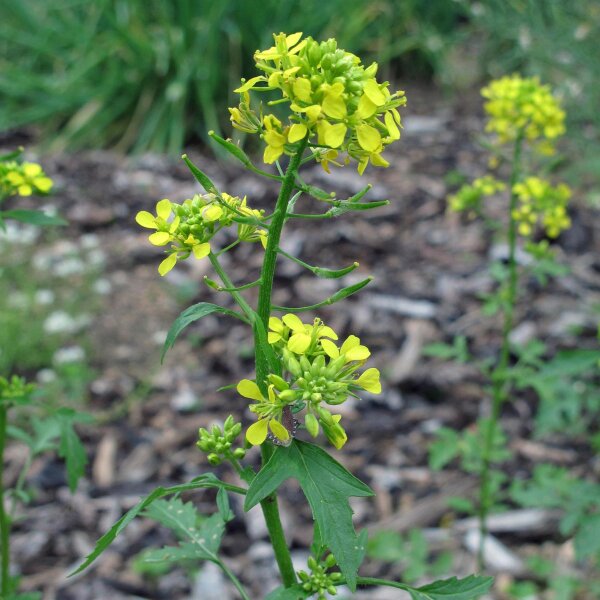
(453, 588)
(33, 217)
(203, 481)
(70, 447)
(444, 448)
(188, 316)
(199, 541)
(569, 363)
(327, 486)
(294, 592)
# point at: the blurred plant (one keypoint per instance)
(525, 116)
(124, 74)
(39, 426)
(299, 365)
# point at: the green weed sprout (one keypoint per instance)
(40, 430)
(330, 109)
(524, 121)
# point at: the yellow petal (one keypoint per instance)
(334, 106)
(369, 381)
(350, 342)
(392, 128)
(167, 264)
(366, 108)
(212, 212)
(279, 431)
(256, 434)
(273, 337)
(358, 353)
(293, 39)
(330, 349)
(146, 219)
(372, 91)
(160, 238)
(368, 137)
(249, 84)
(294, 323)
(163, 209)
(299, 343)
(313, 112)
(325, 331)
(201, 250)
(271, 154)
(378, 160)
(302, 89)
(43, 184)
(249, 389)
(275, 324)
(31, 169)
(297, 132)
(335, 134)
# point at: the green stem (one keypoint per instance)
(214, 261)
(269, 505)
(4, 518)
(499, 387)
(236, 582)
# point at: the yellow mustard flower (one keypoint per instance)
(24, 179)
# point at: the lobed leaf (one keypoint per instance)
(327, 486)
(33, 217)
(453, 588)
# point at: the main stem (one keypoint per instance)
(4, 518)
(499, 384)
(269, 505)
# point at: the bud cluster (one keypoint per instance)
(316, 372)
(320, 581)
(23, 179)
(217, 442)
(470, 196)
(189, 227)
(331, 98)
(14, 390)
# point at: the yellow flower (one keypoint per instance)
(302, 335)
(351, 349)
(274, 139)
(26, 178)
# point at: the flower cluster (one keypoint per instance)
(14, 390)
(541, 202)
(189, 227)
(331, 99)
(320, 581)
(316, 372)
(23, 179)
(470, 196)
(217, 443)
(516, 104)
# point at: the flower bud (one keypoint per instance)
(312, 425)
(214, 459)
(239, 453)
(279, 383)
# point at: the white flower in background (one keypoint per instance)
(102, 286)
(60, 322)
(46, 376)
(20, 233)
(89, 241)
(71, 265)
(70, 354)
(44, 297)
(96, 257)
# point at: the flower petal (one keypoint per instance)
(160, 238)
(330, 349)
(325, 331)
(350, 342)
(297, 132)
(369, 381)
(392, 128)
(366, 108)
(299, 343)
(357, 353)
(294, 323)
(279, 431)
(163, 208)
(273, 337)
(256, 434)
(249, 389)
(373, 92)
(335, 134)
(201, 250)
(167, 264)
(334, 106)
(146, 219)
(249, 84)
(368, 137)
(275, 324)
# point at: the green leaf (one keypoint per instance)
(33, 217)
(444, 448)
(70, 447)
(189, 315)
(387, 546)
(294, 592)
(453, 588)
(203, 481)
(570, 363)
(223, 505)
(203, 179)
(587, 539)
(199, 541)
(327, 486)
(11, 155)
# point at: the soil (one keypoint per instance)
(430, 269)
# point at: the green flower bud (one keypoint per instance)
(239, 453)
(312, 424)
(214, 459)
(330, 562)
(279, 383)
(288, 396)
(229, 423)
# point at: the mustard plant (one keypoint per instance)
(524, 120)
(330, 109)
(40, 429)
